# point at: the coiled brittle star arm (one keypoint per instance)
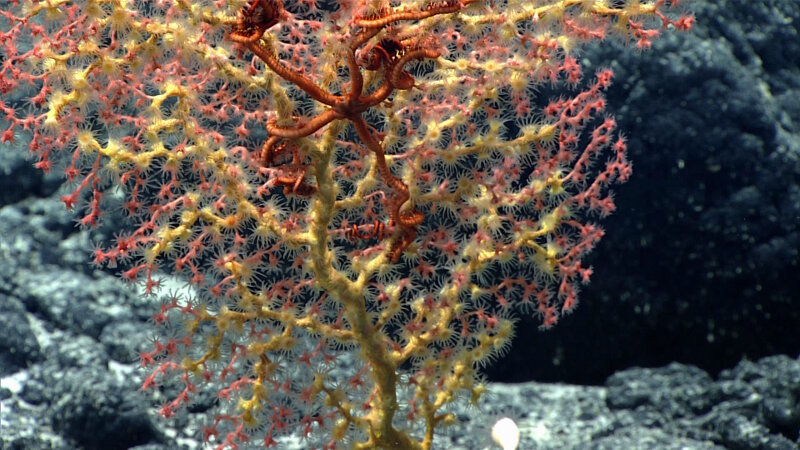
(388, 57)
(408, 221)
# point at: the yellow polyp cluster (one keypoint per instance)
(518, 82)
(86, 141)
(556, 183)
(549, 222)
(190, 365)
(546, 259)
(230, 222)
(222, 322)
(483, 199)
(119, 20)
(238, 270)
(249, 410)
(536, 133)
(93, 10)
(504, 334)
(490, 222)
(433, 133)
(57, 102)
(486, 342)
(334, 397)
(191, 326)
(340, 429)
(117, 155)
(166, 238)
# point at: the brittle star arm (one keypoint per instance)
(408, 221)
(316, 92)
(380, 22)
(305, 129)
(356, 80)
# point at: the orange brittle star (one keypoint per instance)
(388, 57)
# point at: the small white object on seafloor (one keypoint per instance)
(505, 434)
